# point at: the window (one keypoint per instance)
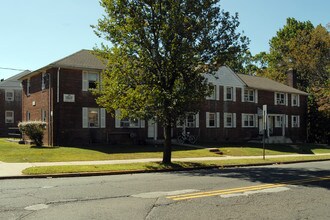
(191, 121)
(28, 87)
(278, 121)
(9, 95)
(93, 117)
(249, 95)
(43, 115)
(229, 120)
(213, 95)
(90, 80)
(128, 123)
(295, 119)
(280, 99)
(248, 120)
(229, 93)
(28, 116)
(9, 116)
(212, 119)
(43, 79)
(295, 100)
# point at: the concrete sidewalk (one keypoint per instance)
(15, 169)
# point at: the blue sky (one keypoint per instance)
(35, 33)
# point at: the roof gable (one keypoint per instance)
(225, 77)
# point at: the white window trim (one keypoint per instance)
(85, 81)
(298, 100)
(101, 117)
(297, 125)
(9, 120)
(215, 93)
(278, 124)
(233, 120)
(216, 119)
(233, 93)
(141, 122)
(278, 101)
(7, 98)
(246, 98)
(254, 120)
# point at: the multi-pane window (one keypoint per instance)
(229, 93)
(43, 115)
(248, 120)
(127, 122)
(213, 95)
(295, 121)
(90, 80)
(294, 100)
(9, 95)
(93, 117)
(43, 81)
(211, 121)
(228, 120)
(278, 121)
(280, 98)
(9, 116)
(249, 95)
(191, 121)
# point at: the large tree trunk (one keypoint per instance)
(167, 155)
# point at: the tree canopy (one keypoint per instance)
(160, 51)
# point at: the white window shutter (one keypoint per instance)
(197, 120)
(256, 120)
(256, 95)
(275, 101)
(291, 121)
(224, 119)
(207, 119)
(85, 81)
(85, 117)
(286, 121)
(234, 94)
(143, 123)
(218, 119)
(286, 99)
(103, 118)
(117, 120)
(298, 118)
(234, 120)
(225, 93)
(298, 100)
(242, 94)
(217, 91)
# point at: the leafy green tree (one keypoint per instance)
(160, 51)
(303, 47)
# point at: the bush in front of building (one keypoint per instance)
(34, 130)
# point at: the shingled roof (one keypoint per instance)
(84, 59)
(268, 84)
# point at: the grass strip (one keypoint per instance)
(153, 166)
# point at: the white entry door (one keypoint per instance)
(152, 129)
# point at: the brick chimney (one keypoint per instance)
(291, 78)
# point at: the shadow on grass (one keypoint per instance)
(130, 148)
(275, 174)
(173, 166)
(43, 147)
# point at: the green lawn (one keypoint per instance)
(14, 152)
(153, 166)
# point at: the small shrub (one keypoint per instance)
(34, 130)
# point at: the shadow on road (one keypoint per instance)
(274, 174)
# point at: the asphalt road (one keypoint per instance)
(296, 191)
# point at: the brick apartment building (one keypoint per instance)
(10, 105)
(59, 95)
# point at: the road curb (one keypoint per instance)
(105, 173)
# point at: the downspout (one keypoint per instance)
(58, 105)
(50, 113)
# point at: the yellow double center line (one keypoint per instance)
(245, 189)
